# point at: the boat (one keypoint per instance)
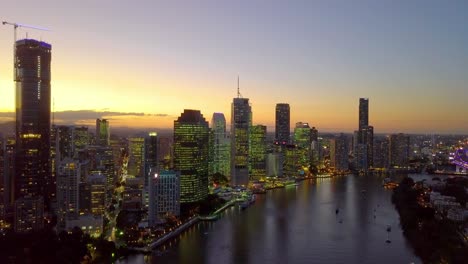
(244, 205)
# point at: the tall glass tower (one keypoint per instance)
(220, 146)
(258, 152)
(102, 132)
(191, 134)
(241, 121)
(363, 113)
(282, 123)
(32, 76)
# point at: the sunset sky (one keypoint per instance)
(140, 63)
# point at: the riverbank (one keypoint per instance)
(434, 239)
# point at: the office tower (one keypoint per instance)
(220, 146)
(292, 161)
(97, 189)
(303, 141)
(363, 113)
(84, 197)
(136, 151)
(360, 157)
(363, 139)
(61, 146)
(241, 121)
(164, 197)
(81, 138)
(165, 153)
(33, 178)
(282, 123)
(381, 151)
(274, 165)
(339, 153)
(102, 132)
(29, 214)
(313, 134)
(399, 150)
(151, 155)
(101, 160)
(315, 148)
(68, 178)
(257, 152)
(191, 155)
(8, 169)
(134, 193)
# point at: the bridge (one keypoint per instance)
(460, 159)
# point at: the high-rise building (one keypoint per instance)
(274, 162)
(81, 138)
(381, 151)
(292, 164)
(102, 132)
(136, 155)
(164, 196)
(8, 170)
(303, 142)
(339, 153)
(241, 121)
(34, 183)
(97, 189)
(151, 155)
(315, 147)
(165, 152)
(68, 178)
(399, 146)
(364, 138)
(258, 152)
(220, 146)
(363, 113)
(282, 123)
(191, 155)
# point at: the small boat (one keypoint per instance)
(337, 211)
(244, 205)
(389, 228)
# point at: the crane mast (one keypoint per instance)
(15, 27)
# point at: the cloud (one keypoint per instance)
(86, 116)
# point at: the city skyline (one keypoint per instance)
(415, 82)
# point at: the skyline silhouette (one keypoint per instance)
(144, 64)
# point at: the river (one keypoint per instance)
(299, 224)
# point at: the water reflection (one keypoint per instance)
(300, 225)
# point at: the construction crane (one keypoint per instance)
(15, 27)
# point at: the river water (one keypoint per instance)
(299, 224)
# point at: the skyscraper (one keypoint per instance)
(102, 132)
(364, 138)
(241, 121)
(399, 147)
(303, 141)
(258, 152)
(282, 123)
(32, 168)
(220, 156)
(151, 154)
(191, 155)
(164, 196)
(68, 178)
(339, 153)
(136, 155)
(363, 113)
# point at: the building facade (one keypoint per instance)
(191, 134)
(282, 123)
(164, 196)
(258, 153)
(241, 121)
